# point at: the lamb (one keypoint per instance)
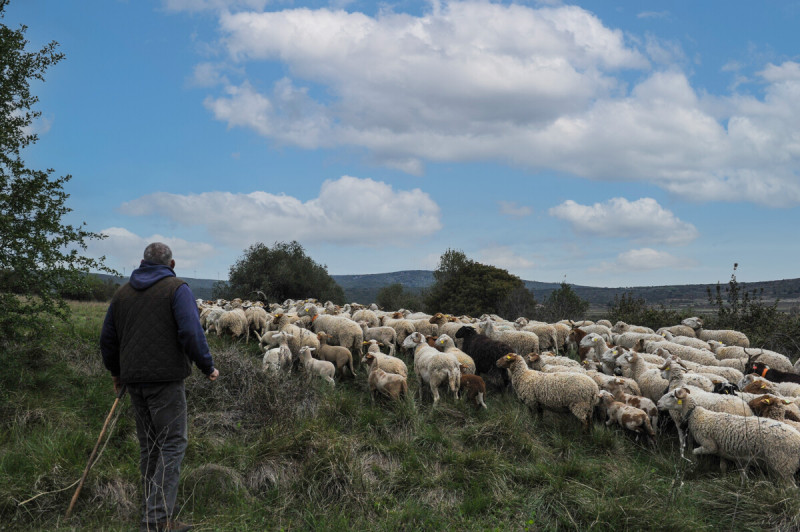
(474, 386)
(312, 366)
(387, 363)
(279, 358)
(520, 341)
(557, 392)
(449, 346)
(611, 383)
(432, 367)
(341, 357)
(390, 385)
(726, 336)
(742, 439)
(485, 352)
(642, 403)
(299, 337)
(592, 344)
(626, 416)
(385, 335)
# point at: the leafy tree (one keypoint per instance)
(41, 257)
(394, 297)
(279, 273)
(563, 303)
(463, 286)
(636, 311)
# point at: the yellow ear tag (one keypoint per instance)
(680, 402)
(508, 357)
(766, 401)
(595, 339)
(786, 401)
(763, 386)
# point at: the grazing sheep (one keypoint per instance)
(642, 403)
(550, 363)
(625, 415)
(345, 332)
(257, 319)
(387, 363)
(433, 367)
(473, 386)
(234, 322)
(520, 341)
(726, 336)
(341, 357)
(299, 337)
(401, 326)
(390, 385)
(485, 352)
(385, 335)
(558, 392)
(548, 335)
(622, 327)
(773, 444)
(366, 315)
(321, 368)
(446, 344)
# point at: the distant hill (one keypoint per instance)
(364, 289)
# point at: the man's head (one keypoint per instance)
(159, 253)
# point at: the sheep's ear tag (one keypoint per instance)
(763, 386)
(595, 339)
(508, 357)
(786, 401)
(766, 401)
(680, 401)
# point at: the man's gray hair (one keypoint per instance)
(158, 253)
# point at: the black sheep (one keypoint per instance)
(485, 351)
(773, 375)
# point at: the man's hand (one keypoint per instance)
(213, 375)
(117, 385)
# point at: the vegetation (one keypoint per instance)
(395, 296)
(463, 286)
(40, 259)
(279, 455)
(635, 310)
(562, 303)
(278, 273)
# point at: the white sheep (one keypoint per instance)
(648, 377)
(385, 335)
(559, 392)
(726, 336)
(622, 327)
(390, 385)
(312, 366)
(771, 443)
(387, 363)
(520, 341)
(432, 367)
(448, 345)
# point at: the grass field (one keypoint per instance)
(276, 454)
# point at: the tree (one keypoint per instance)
(394, 297)
(463, 286)
(283, 272)
(563, 303)
(41, 255)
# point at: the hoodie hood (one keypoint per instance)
(148, 274)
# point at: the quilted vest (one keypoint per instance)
(148, 334)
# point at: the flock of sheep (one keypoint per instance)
(736, 402)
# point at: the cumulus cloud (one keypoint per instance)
(643, 220)
(348, 211)
(537, 87)
(124, 249)
(504, 257)
(514, 210)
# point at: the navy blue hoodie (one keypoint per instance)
(184, 308)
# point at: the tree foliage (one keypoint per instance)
(562, 303)
(395, 296)
(636, 311)
(463, 286)
(41, 257)
(279, 273)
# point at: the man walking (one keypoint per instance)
(150, 337)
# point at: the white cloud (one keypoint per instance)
(124, 249)
(540, 88)
(643, 220)
(204, 5)
(653, 14)
(348, 211)
(644, 259)
(208, 75)
(504, 257)
(513, 209)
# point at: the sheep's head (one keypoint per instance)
(605, 397)
(464, 369)
(508, 360)
(466, 331)
(430, 340)
(369, 358)
(413, 340)
(761, 404)
(437, 318)
(758, 368)
(674, 400)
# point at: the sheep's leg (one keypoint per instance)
(435, 392)
(480, 400)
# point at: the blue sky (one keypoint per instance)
(608, 143)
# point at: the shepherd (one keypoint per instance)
(150, 337)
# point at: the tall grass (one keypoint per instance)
(268, 453)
